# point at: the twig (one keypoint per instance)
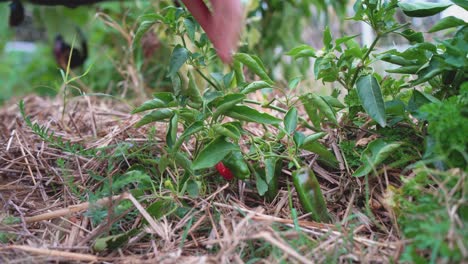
(53, 253)
(70, 210)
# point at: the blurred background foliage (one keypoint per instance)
(272, 27)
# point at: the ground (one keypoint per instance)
(48, 189)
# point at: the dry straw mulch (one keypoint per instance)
(229, 224)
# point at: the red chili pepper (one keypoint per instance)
(224, 171)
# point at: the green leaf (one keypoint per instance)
(254, 86)
(151, 17)
(262, 186)
(290, 120)
(327, 39)
(422, 8)
(322, 105)
(461, 3)
(398, 60)
(192, 129)
(113, 242)
(314, 137)
(342, 40)
(413, 69)
(333, 101)
(447, 22)
(419, 99)
(412, 36)
(178, 57)
(154, 116)
(192, 188)
(238, 72)
(227, 102)
(270, 168)
(302, 51)
(166, 97)
(375, 153)
(253, 65)
(229, 130)
(148, 105)
(298, 138)
(161, 208)
(183, 161)
(434, 68)
(371, 98)
(294, 83)
(245, 113)
(325, 155)
(213, 153)
(312, 112)
(190, 28)
(132, 177)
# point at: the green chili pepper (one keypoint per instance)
(272, 171)
(310, 195)
(236, 164)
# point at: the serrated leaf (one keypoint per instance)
(245, 113)
(371, 98)
(213, 153)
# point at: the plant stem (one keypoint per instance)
(207, 79)
(360, 66)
